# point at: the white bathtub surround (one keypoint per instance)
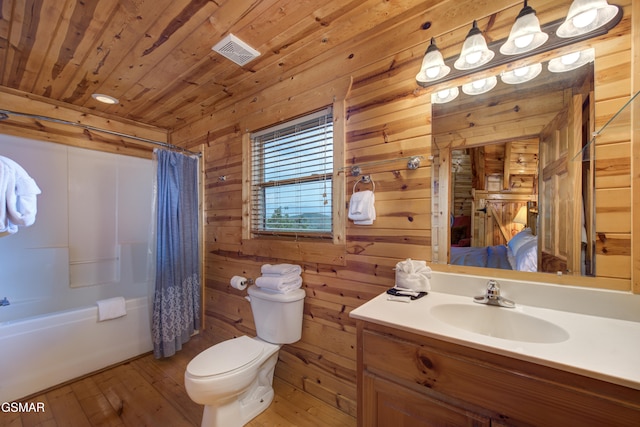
(41, 352)
(602, 327)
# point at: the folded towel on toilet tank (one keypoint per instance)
(280, 269)
(279, 284)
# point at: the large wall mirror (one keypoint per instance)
(513, 175)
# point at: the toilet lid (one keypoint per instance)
(226, 356)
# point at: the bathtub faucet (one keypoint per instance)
(4, 301)
(493, 297)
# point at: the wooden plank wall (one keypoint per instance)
(43, 130)
(388, 117)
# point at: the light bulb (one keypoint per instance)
(443, 94)
(570, 58)
(523, 41)
(474, 57)
(583, 19)
(478, 84)
(432, 72)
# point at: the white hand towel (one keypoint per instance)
(277, 284)
(280, 269)
(111, 308)
(362, 209)
(414, 275)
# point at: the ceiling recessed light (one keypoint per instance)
(105, 98)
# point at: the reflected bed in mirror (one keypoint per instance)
(514, 176)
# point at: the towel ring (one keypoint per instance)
(366, 179)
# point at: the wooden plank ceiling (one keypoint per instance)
(155, 56)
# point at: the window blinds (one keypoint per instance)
(291, 169)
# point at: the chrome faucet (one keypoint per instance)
(492, 297)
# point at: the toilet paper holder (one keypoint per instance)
(240, 282)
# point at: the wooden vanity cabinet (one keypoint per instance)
(406, 379)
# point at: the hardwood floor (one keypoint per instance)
(150, 392)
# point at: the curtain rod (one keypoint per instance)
(4, 114)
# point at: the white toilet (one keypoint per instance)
(233, 379)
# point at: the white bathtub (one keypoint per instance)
(40, 352)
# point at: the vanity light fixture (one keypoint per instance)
(585, 16)
(522, 74)
(475, 52)
(445, 95)
(525, 34)
(571, 61)
(477, 56)
(433, 67)
(480, 86)
(106, 99)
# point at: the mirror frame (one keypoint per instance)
(583, 281)
(581, 80)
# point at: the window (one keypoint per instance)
(291, 171)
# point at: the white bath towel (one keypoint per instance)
(362, 210)
(280, 269)
(414, 275)
(111, 308)
(18, 191)
(278, 284)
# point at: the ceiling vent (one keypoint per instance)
(236, 50)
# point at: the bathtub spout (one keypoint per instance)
(4, 301)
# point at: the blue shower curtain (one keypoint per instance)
(176, 305)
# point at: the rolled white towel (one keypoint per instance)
(278, 284)
(280, 269)
(111, 308)
(18, 191)
(414, 275)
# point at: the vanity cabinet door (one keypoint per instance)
(411, 379)
(389, 404)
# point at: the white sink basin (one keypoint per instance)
(499, 322)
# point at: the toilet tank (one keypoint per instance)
(278, 316)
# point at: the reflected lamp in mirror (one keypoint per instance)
(585, 16)
(480, 86)
(571, 61)
(525, 34)
(445, 95)
(522, 74)
(475, 52)
(521, 216)
(433, 67)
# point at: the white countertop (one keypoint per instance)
(606, 348)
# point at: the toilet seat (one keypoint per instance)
(225, 357)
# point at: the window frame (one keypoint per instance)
(329, 251)
(314, 117)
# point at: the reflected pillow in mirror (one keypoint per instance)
(520, 239)
(527, 256)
